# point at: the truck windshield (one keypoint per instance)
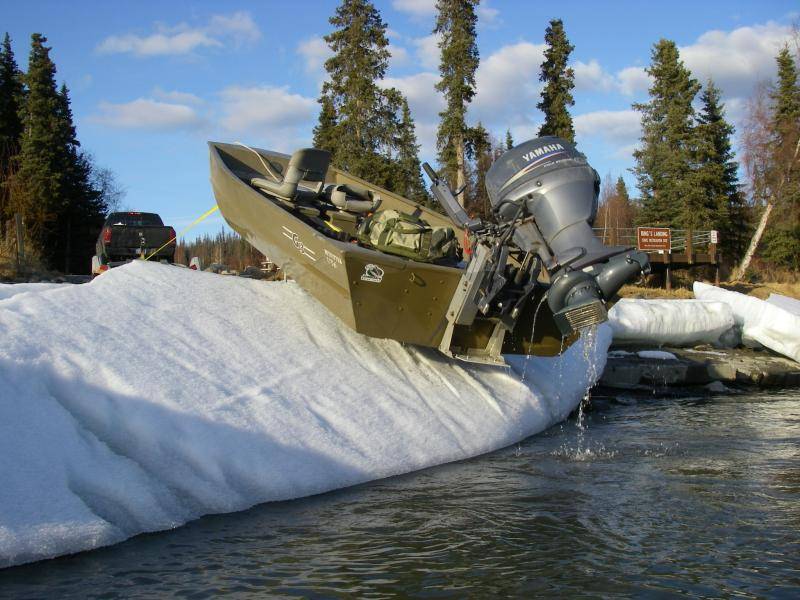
(134, 219)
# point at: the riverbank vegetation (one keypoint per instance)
(688, 173)
(46, 177)
(686, 169)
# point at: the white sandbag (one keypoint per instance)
(761, 322)
(670, 322)
(786, 303)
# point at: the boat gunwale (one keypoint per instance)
(344, 248)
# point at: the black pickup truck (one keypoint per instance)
(129, 235)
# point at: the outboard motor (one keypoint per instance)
(544, 200)
(549, 190)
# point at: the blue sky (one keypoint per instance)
(152, 81)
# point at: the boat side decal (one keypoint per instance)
(372, 273)
(333, 260)
(298, 243)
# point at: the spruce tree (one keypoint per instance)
(616, 212)
(786, 94)
(409, 173)
(782, 241)
(718, 174)
(621, 190)
(509, 140)
(456, 23)
(38, 182)
(325, 135)
(82, 206)
(481, 149)
(559, 80)
(772, 157)
(666, 162)
(52, 187)
(365, 115)
(11, 98)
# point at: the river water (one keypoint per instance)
(651, 497)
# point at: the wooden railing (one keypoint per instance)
(626, 236)
(687, 249)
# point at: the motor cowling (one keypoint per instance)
(549, 189)
(553, 183)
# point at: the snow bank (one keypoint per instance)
(760, 321)
(154, 395)
(670, 322)
(7, 290)
(786, 303)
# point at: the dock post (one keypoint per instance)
(668, 275)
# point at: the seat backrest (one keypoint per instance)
(308, 164)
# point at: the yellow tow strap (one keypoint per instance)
(205, 215)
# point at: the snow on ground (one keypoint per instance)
(670, 322)
(761, 322)
(7, 290)
(154, 395)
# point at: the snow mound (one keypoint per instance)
(761, 322)
(670, 322)
(7, 290)
(154, 395)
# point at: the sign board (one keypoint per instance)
(714, 236)
(653, 239)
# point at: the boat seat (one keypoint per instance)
(352, 198)
(309, 165)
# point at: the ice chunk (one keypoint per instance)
(761, 322)
(656, 354)
(670, 322)
(154, 395)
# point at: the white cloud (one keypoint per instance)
(234, 29)
(632, 80)
(487, 15)
(157, 43)
(145, 113)
(417, 8)
(315, 51)
(420, 91)
(592, 77)
(737, 59)
(280, 118)
(240, 26)
(619, 127)
(425, 104)
(427, 51)
(507, 82)
(399, 55)
(176, 97)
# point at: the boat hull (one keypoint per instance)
(375, 294)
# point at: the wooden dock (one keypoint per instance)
(674, 253)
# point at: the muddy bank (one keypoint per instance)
(642, 368)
